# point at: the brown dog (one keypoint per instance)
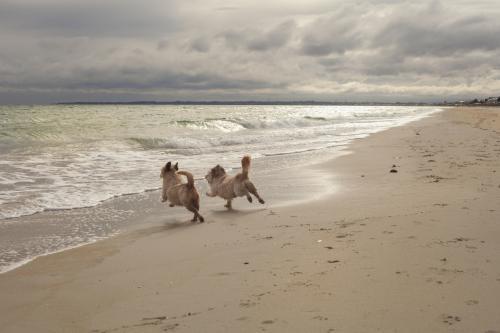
(178, 193)
(230, 187)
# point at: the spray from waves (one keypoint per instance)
(173, 143)
(238, 124)
(222, 124)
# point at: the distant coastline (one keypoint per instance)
(486, 102)
(243, 103)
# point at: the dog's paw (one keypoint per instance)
(262, 201)
(163, 199)
(171, 205)
(249, 198)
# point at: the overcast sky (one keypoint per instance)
(364, 50)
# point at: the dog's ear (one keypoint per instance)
(176, 166)
(167, 166)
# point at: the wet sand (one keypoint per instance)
(414, 250)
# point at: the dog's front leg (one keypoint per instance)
(164, 193)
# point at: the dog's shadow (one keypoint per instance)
(178, 225)
(169, 226)
(230, 213)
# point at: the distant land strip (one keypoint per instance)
(489, 101)
(250, 103)
(239, 103)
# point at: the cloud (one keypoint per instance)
(90, 18)
(320, 49)
(162, 45)
(440, 35)
(337, 33)
(274, 38)
(257, 40)
(200, 44)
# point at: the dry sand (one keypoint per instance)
(417, 250)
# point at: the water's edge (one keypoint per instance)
(134, 210)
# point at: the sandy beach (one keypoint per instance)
(409, 251)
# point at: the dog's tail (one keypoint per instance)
(189, 177)
(245, 165)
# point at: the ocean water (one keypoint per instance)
(62, 157)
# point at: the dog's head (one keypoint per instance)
(168, 170)
(215, 173)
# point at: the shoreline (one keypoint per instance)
(120, 213)
(391, 251)
(148, 203)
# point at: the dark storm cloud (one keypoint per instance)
(136, 78)
(419, 37)
(89, 18)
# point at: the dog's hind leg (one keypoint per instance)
(249, 198)
(228, 205)
(197, 215)
(251, 188)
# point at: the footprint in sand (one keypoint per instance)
(472, 302)
(247, 303)
(170, 327)
(450, 320)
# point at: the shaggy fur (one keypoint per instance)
(178, 193)
(229, 187)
